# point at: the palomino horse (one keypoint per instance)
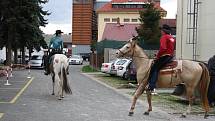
(192, 74)
(59, 70)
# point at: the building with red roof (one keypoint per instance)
(122, 13)
(119, 32)
(125, 31)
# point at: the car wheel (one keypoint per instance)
(125, 75)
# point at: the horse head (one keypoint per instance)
(128, 49)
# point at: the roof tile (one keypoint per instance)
(123, 32)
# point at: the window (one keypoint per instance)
(134, 20)
(106, 19)
(133, 6)
(81, 1)
(126, 20)
(85, 1)
(114, 19)
(127, 6)
(121, 6)
(114, 6)
(77, 1)
(139, 6)
(36, 57)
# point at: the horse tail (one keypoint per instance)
(203, 86)
(66, 86)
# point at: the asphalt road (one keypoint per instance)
(90, 101)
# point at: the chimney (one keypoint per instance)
(118, 21)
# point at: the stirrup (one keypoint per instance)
(147, 88)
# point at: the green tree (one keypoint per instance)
(149, 29)
(19, 25)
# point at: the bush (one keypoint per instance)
(88, 68)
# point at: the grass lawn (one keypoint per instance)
(88, 69)
(114, 81)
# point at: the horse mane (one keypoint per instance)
(138, 46)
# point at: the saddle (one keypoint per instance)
(172, 67)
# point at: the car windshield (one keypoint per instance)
(121, 62)
(36, 57)
(112, 61)
(76, 56)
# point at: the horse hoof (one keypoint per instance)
(146, 113)
(52, 93)
(62, 96)
(59, 99)
(183, 116)
(130, 113)
(206, 116)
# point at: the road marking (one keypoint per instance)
(8, 88)
(1, 115)
(20, 92)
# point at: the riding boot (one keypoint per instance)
(46, 71)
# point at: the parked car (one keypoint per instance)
(36, 61)
(106, 67)
(76, 59)
(116, 64)
(85, 56)
(131, 73)
(122, 68)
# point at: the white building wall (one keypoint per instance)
(205, 31)
(2, 54)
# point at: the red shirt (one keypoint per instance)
(167, 46)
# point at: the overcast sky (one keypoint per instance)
(61, 14)
(60, 17)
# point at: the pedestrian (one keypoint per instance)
(44, 59)
(211, 88)
(56, 47)
(164, 55)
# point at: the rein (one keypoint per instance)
(132, 55)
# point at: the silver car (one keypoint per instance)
(36, 61)
(76, 59)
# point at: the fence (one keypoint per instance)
(96, 60)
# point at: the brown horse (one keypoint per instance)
(192, 74)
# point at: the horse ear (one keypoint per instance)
(134, 43)
(134, 40)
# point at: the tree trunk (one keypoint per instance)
(30, 48)
(23, 55)
(9, 46)
(15, 55)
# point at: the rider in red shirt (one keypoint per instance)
(164, 55)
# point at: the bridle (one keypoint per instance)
(132, 55)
